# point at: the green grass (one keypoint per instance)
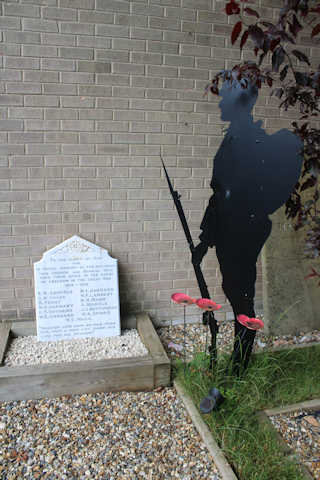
(272, 380)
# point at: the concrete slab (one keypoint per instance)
(290, 301)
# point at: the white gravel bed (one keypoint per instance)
(107, 436)
(29, 351)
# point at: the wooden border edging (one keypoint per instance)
(293, 346)
(162, 364)
(4, 339)
(308, 405)
(218, 457)
(264, 418)
(90, 376)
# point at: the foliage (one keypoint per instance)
(299, 87)
(272, 380)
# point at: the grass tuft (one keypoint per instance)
(272, 380)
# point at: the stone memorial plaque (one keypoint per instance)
(76, 292)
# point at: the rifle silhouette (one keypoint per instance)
(208, 317)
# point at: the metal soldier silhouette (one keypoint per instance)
(253, 175)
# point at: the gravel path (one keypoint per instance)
(301, 430)
(102, 436)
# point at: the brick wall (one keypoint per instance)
(91, 93)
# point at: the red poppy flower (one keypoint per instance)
(182, 299)
(207, 304)
(251, 323)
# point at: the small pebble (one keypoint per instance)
(301, 431)
(127, 436)
(198, 337)
(29, 351)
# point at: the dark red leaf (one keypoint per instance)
(286, 37)
(278, 92)
(292, 29)
(244, 38)
(313, 273)
(261, 58)
(301, 56)
(256, 50)
(274, 44)
(301, 78)
(266, 44)
(283, 73)
(269, 81)
(236, 32)
(250, 11)
(268, 25)
(316, 30)
(229, 9)
(232, 8)
(236, 9)
(278, 57)
(257, 35)
(295, 26)
(214, 90)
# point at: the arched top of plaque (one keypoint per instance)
(77, 248)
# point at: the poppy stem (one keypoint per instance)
(184, 336)
(206, 344)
